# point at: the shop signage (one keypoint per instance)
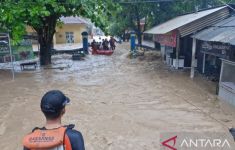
(217, 49)
(168, 39)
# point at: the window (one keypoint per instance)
(69, 37)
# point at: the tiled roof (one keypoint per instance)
(73, 20)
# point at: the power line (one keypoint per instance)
(141, 1)
(34, 2)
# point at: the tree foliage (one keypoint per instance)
(131, 14)
(43, 15)
(156, 13)
(186, 6)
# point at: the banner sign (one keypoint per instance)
(216, 49)
(22, 51)
(4, 48)
(168, 39)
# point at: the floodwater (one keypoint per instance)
(116, 102)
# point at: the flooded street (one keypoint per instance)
(116, 102)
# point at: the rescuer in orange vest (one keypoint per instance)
(54, 136)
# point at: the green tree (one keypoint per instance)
(156, 12)
(43, 15)
(186, 6)
(130, 15)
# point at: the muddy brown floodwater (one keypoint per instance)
(117, 103)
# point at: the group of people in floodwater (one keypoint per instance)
(104, 45)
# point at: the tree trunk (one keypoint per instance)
(138, 25)
(45, 38)
(145, 23)
(204, 4)
(45, 53)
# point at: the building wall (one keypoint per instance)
(200, 57)
(60, 36)
(77, 29)
(30, 30)
(186, 50)
(213, 55)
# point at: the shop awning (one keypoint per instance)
(223, 32)
(190, 23)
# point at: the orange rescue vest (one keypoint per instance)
(53, 139)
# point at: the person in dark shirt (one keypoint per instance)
(53, 107)
(93, 45)
(103, 44)
(112, 43)
(76, 139)
(106, 44)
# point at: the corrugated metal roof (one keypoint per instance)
(223, 32)
(204, 22)
(73, 20)
(227, 22)
(181, 21)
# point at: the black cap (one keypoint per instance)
(54, 101)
